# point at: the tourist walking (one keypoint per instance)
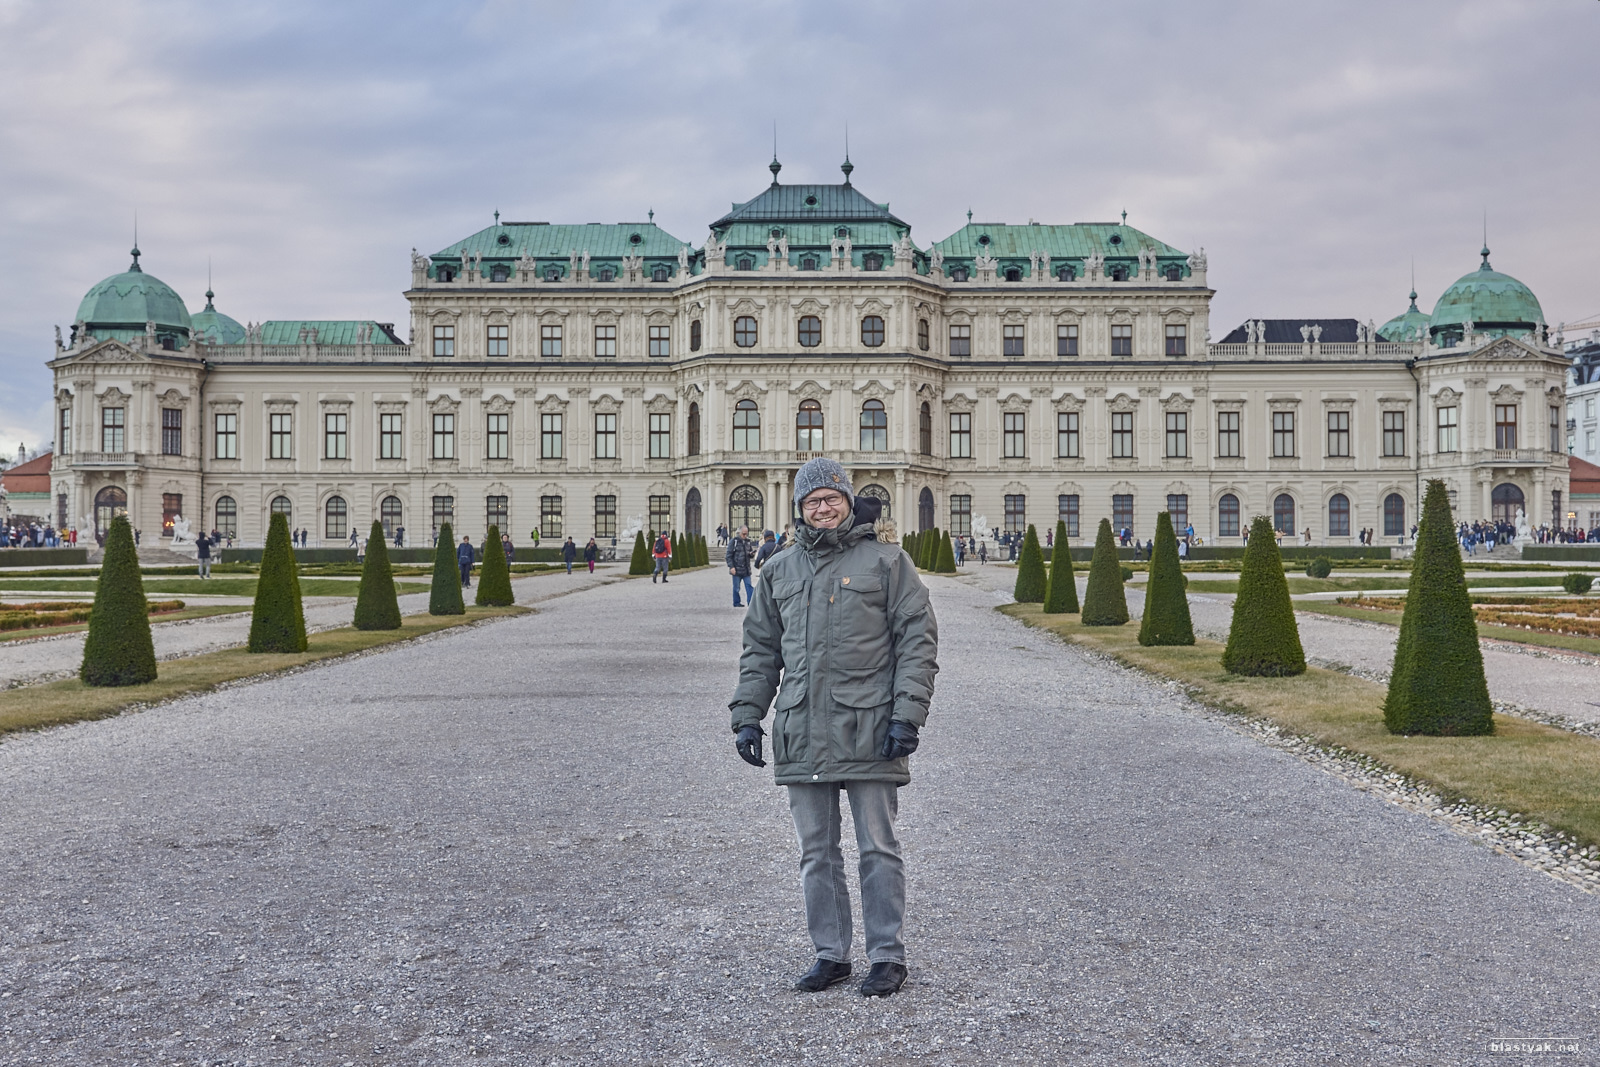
(399, 537)
(202, 551)
(569, 552)
(848, 622)
(738, 557)
(590, 551)
(464, 558)
(769, 548)
(983, 552)
(662, 551)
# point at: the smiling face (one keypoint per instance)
(825, 508)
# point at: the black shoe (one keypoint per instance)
(653, 577)
(663, 579)
(822, 974)
(884, 980)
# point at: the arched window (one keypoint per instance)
(746, 427)
(808, 262)
(874, 427)
(872, 261)
(1067, 273)
(872, 331)
(1283, 513)
(281, 506)
(1394, 515)
(808, 427)
(958, 274)
(660, 273)
(694, 336)
(922, 334)
(1504, 501)
(607, 274)
(336, 519)
(499, 273)
(745, 263)
(1119, 274)
(744, 331)
(445, 274)
(389, 513)
(694, 429)
(925, 509)
(1338, 515)
(744, 508)
(1174, 273)
(810, 331)
(108, 504)
(227, 516)
(1013, 274)
(878, 493)
(1228, 516)
(552, 273)
(692, 512)
(925, 429)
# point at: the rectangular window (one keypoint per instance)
(1068, 442)
(660, 436)
(1177, 435)
(444, 436)
(227, 436)
(1178, 508)
(1228, 435)
(171, 511)
(444, 341)
(961, 340)
(1283, 434)
(64, 433)
(1394, 433)
(335, 435)
(1555, 429)
(550, 436)
(1066, 340)
(444, 510)
(605, 341)
(961, 435)
(1177, 340)
(389, 443)
(661, 341)
(497, 513)
(605, 516)
(1122, 435)
(1339, 434)
(550, 519)
(660, 513)
(1505, 426)
(1588, 441)
(961, 515)
(498, 439)
(1588, 408)
(172, 431)
(111, 429)
(1016, 513)
(1122, 340)
(550, 341)
(1122, 511)
(1449, 435)
(499, 340)
(605, 435)
(280, 435)
(1016, 434)
(1067, 512)
(1011, 337)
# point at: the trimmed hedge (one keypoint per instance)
(947, 557)
(44, 557)
(377, 605)
(494, 581)
(1437, 686)
(928, 549)
(1104, 602)
(641, 561)
(1166, 608)
(445, 596)
(1563, 553)
(119, 649)
(1320, 567)
(1577, 583)
(1061, 592)
(1264, 640)
(909, 544)
(1030, 570)
(278, 620)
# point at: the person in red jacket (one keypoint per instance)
(663, 554)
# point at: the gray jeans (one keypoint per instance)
(874, 806)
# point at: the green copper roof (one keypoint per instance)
(329, 332)
(1404, 326)
(509, 241)
(808, 203)
(214, 327)
(1014, 244)
(128, 300)
(1496, 303)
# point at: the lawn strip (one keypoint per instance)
(1548, 774)
(1301, 584)
(155, 587)
(204, 612)
(1487, 631)
(54, 703)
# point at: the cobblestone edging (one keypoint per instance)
(1507, 833)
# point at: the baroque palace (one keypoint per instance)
(587, 379)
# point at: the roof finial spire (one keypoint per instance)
(774, 166)
(209, 293)
(1124, 216)
(652, 214)
(497, 216)
(969, 216)
(1413, 283)
(135, 267)
(1485, 253)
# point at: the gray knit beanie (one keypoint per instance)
(822, 473)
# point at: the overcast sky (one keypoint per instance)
(305, 148)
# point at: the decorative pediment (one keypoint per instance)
(172, 399)
(498, 404)
(605, 316)
(692, 391)
(1122, 488)
(1068, 402)
(961, 316)
(1228, 403)
(444, 315)
(112, 396)
(551, 489)
(444, 403)
(106, 352)
(1394, 401)
(960, 402)
(872, 306)
(1015, 489)
(1283, 403)
(747, 306)
(442, 489)
(1446, 397)
(1177, 402)
(1507, 394)
(1177, 489)
(660, 404)
(872, 389)
(1015, 316)
(1123, 402)
(1014, 402)
(746, 390)
(1070, 489)
(1505, 348)
(810, 390)
(1069, 313)
(809, 306)
(1177, 314)
(606, 403)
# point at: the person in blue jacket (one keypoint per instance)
(464, 558)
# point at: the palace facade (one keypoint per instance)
(588, 379)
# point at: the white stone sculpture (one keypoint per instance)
(59, 345)
(1524, 535)
(586, 260)
(783, 247)
(1305, 334)
(1044, 263)
(182, 535)
(1316, 333)
(772, 247)
(1197, 261)
(630, 531)
(683, 260)
(937, 258)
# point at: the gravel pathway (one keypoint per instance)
(28, 662)
(532, 843)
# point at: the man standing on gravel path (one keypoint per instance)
(848, 623)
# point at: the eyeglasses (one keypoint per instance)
(813, 503)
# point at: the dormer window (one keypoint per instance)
(552, 273)
(660, 273)
(499, 273)
(1013, 274)
(745, 263)
(808, 262)
(445, 274)
(1174, 273)
(1066, 274)
(1119, 274)
(607, 274)
(872, 261)
(842, 231)
(958, 274)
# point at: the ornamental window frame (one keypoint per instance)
(1122, 440)
(1069, 435)
(1067, 339)
(808, 331)
(1284, 445)
(444, 340)
(1394, 433)
(497, 435)
(335, 435)
(660, 429)
(605, 340)
(443, 438)
(746, 331)
(661, 341)
(1014, 434)
(1177, 435)
(809, 424)
(874, 426)
(960, 434)
(746, 426)
(391, 435)
(550, 340)
(225, 435)
(961, 339)
(1230, 434)
(1122, 339)
(497, 340)
(280, 435)
(171, 431)
(605, 435)
(872, 331)
(551, 434)
(1014, 339)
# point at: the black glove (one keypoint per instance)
(901, 740)
(747, 742)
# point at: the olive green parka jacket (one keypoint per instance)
(846, 622)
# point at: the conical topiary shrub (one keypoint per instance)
(641, 563)
(445, 596)
(909, 543)
(928, 549)
(494, 582)
(1061, 592)
(119, 650)
(1437, 684)
(1264, 639)
(1104, 603)
(1166, 607)
(1030, 570)
(947, 557)
(377, 606)
(278, 621)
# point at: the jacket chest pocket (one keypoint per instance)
(860, 620)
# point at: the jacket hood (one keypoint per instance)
(820, 542)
